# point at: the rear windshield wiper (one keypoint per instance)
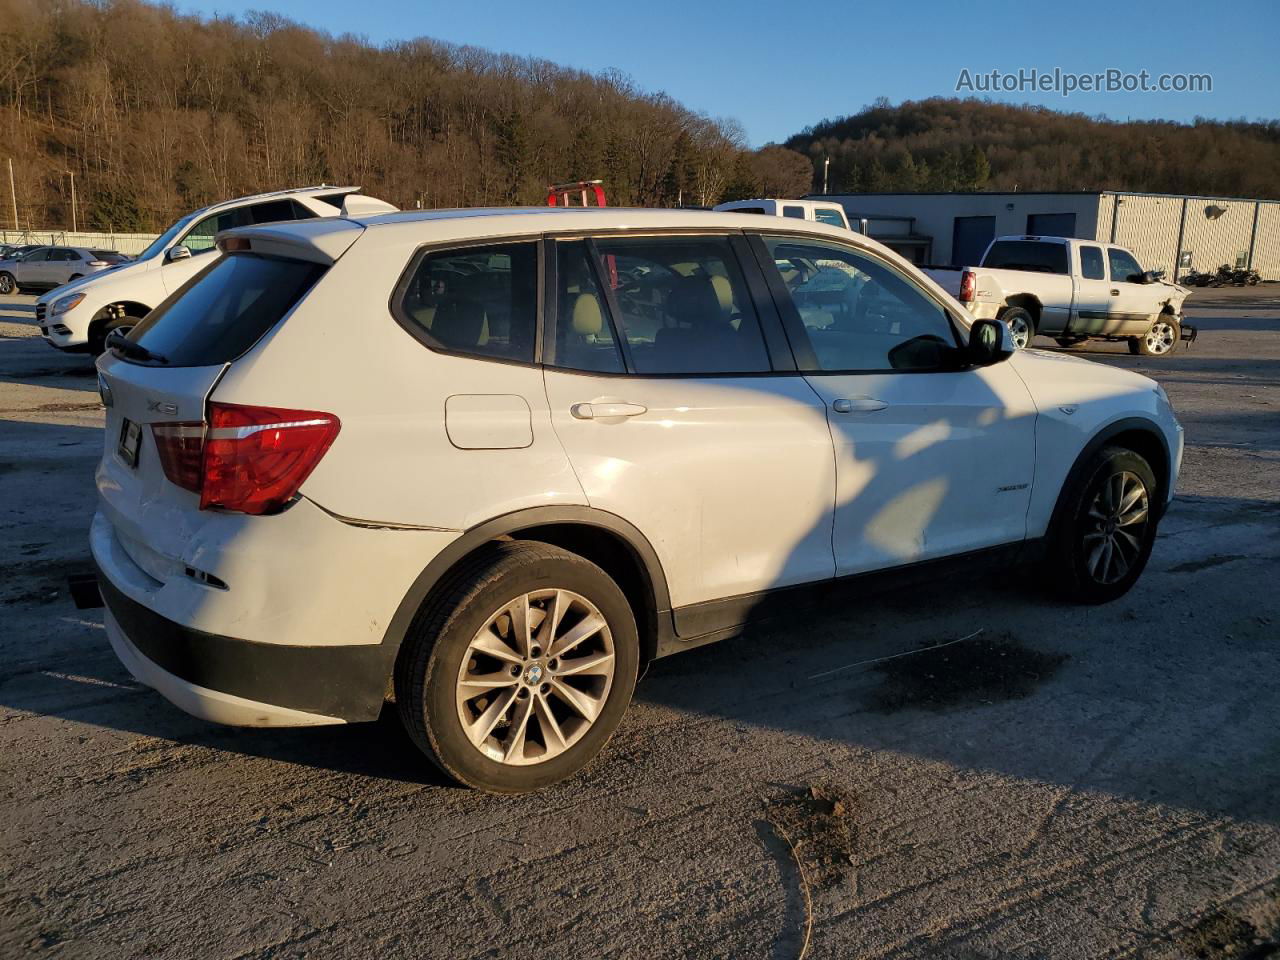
(131, 348)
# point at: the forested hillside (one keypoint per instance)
(949, 144)
(156, 113)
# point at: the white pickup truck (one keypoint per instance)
(1071, 290)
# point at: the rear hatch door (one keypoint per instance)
(163, 377)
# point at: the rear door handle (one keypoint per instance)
(857, 405)
(1115, 293)
(606, 411)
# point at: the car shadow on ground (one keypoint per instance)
(980, 674)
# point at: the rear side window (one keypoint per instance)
(1091, 266)
(795, 213)
(682, 306)
(1027, 255)
(276, 210)
(480, 301)
(225, 309)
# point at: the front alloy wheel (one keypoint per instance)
(1159, 340)
(1120, 512)
(535, 677)
(1103, 527)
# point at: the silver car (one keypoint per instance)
(47, 267)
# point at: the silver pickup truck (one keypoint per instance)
(1072, 291)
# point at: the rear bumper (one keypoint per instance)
(238, 682)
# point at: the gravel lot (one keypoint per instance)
(1068, 783)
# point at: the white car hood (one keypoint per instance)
(1060, 379)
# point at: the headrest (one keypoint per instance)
(460, 323)
(587, 318)
(724, 292)
(693, 301)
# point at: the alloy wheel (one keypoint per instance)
(1160, 337)
(1116, 527)
(6, 285)
(535, 677)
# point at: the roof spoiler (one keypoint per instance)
(358, 205)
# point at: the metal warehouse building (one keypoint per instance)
(1166, 231)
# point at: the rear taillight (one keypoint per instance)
(248, 459)
(180, 446)
(967, 283)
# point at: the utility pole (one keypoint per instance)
(826, 175)
(74, 227)
(13, 195)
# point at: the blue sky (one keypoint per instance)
(779, 67)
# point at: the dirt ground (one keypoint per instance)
(1066, 782)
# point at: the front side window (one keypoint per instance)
(682, 306)
(1091, 265)
(37, 256)
(476, 300)
(827, 215)
(859, 314)
(200, 238)
(1123, 266)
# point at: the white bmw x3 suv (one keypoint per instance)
(488, 463)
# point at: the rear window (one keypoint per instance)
(1027, 255)
(107, 256)
(224, 310)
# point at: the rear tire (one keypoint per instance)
(1159, 340)
(75, 277)
(8, 285)
(510, 715)
(1067, 342)
(1021, 324)
(1104, 527)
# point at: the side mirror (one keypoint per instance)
(989, 342)
(178, 253)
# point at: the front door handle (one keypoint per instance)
(1115, 293)
(606, 410)
(857, 405)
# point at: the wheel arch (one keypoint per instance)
(1027, 301)
(609, 541)
(1138, 434)
(117, 308)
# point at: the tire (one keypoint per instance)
(1094, 510)
(1159, 340)
(98, 343)
(1021, 324)
(74, 277)
(1068, 342)
(8, 285)
(464, 639)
